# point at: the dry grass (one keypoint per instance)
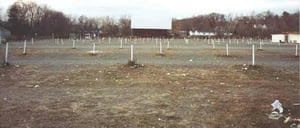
(150, 96)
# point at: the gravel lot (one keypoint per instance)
(191, 85)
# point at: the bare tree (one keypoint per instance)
(109, 26)
(124, 25)
(55, 22)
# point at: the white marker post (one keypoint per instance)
(227, 52)
(213, 43)
(73, 44)
(186, 41)
(260, 47)
(6, 53)
(296, 50)
(94, 47)
(24, 48)
(253, 55)
(31, 40)
(168, 46)
(0, 37)
(121, 43)
(160, 48)
(131, 53)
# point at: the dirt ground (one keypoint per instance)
(113, 94)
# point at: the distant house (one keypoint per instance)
(286, 37)
(202, 34)
(151, 32)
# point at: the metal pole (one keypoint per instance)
(131, 53)
(160, 48)
(260, 47)
(6, 52)
(24, 49)
(253, 55)
(296, 50)
(121, 43)
(226, 49)
(0, 37)
(73, 43)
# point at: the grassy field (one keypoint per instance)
(191, 85)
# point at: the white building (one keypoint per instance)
(196, 33)
(286, 37)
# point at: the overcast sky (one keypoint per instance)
(163, 8)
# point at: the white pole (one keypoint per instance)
(121, 43)
(260, 47)
(226, 49)
(131, 53)
(213, 43)
(253, 55)
(0, 37)
(73, 43)
(296, 50)
(160, 48)
(6, 52)
(31, 40)
(168, 44)
(94, 47)
(24, 49)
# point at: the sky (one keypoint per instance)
(143, 10)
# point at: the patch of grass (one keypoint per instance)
(160, 54)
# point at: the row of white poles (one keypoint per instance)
(160, 50)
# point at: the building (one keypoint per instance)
(151, 26)
(208, 34)
(286, 37)
(202, 34)
(139, 32)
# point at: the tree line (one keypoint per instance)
(260, 25)
(28, 19)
